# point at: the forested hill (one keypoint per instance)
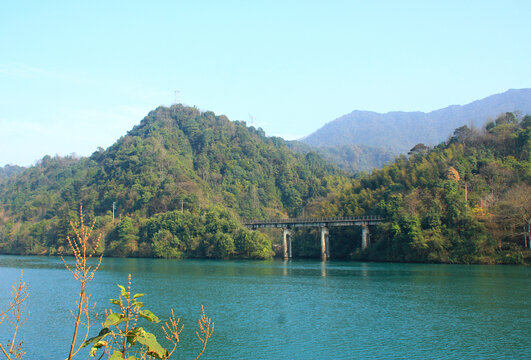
(466, 200)
(9, 170)
(179, 171)
(350, 158)
(398, 131)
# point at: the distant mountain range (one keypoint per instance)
(397, 132)
(351, 158)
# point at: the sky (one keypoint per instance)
(77, 75)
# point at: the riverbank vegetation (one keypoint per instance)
(177, 185)
(467, 200)
(121, 336)
(181, 183)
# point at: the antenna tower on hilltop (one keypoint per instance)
(251, 120)
(176, 92)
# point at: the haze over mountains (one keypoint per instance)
(397, 132)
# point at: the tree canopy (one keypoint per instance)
(466, 200)
(177, 159)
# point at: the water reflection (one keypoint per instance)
(364, 269)
(323, 268)
(285, 267)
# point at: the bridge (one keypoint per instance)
(323, 223)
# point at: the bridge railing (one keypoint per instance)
(314, 220)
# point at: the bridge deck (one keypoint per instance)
(314, 222)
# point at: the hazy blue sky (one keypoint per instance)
(75, 75)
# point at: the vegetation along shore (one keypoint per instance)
(181, 183)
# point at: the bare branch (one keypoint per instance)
(204, 323)
(84, 274)
(15, 316)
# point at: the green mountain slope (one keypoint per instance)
(177, 159)
(9, 170)
(467, 200)
(350, 158)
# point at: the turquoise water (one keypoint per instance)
(297, 309)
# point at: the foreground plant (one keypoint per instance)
(14, 314)
(122, 338)
(83, 250)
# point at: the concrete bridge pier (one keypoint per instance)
(364, 237)
(286, 243)
(325, 251)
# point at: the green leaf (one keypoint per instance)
(123, 292)
(148, 315)
(102, 334)
(114, 319)
(150, 342)
(138, 295)
(117, 355)
(138, 304)
(97, 346)
(115, 302)
(132, 335)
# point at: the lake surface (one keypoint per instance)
(296, 309)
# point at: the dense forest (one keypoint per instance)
(178, 184)
(354, 159)
(467, 200)
(9, 170)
